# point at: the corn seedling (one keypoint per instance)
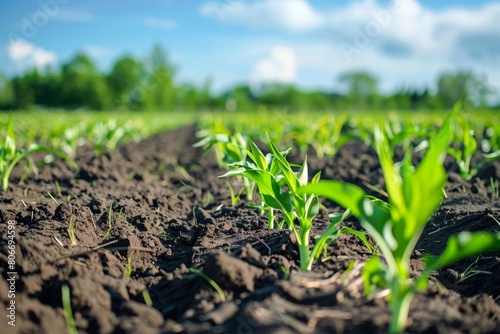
(235, 197)
(71, 231)
(58, 188)
(10, 155)
(464, 155)
(147, 298)
(264, 165)
(403, 132)
(128, 268)
(228, 150)
(211, 282)
(207, 198)
(107, 134)
(278, 184)
(325, 135)
(110, 222)
(470, 271)
(491, 138)
(414, 195)
(300, 135)
(68, 312)
(227, 146)
(53, 199)
(68, 139)
(328, 137)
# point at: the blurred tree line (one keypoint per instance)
(150, 84)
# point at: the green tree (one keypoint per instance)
(453, 86)
(23, 93)
(6, 95)
(47, 88)
(124, 82)
(243, 97)
(158, 86)
(188, 97)
(83, 84)
(362, 88)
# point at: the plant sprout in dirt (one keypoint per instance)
(10, 155)
(148, 251)
(278, 184)
(68, 312)
(229, 148)
(414, 194)
(467, 148)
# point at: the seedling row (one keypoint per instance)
(264, 159)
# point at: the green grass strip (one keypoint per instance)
(68, 313)
(211, 282)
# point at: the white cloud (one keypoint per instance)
(415, 31)
(291, 15)
(19, 49)
(26, 54)
(160, 23)
(404, 42)
(279, 66)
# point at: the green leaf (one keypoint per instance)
(264, 180)
(303, 174)
(330, 233)
(316, 178)
(470, 143)
(360, 235)
(374, 275)
(234, 172)
(463, 245)
(347, 195)
(234, 152)
(258, 157)
(491, 156)
(312, 207)
(455, 153)
(10, 140)
(392, 178)
(272, 202)
(284, 166)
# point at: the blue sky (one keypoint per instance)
(308, 43)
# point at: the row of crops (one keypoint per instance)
(291, 200)
(61, 133)
(286, 193)
(475, 137)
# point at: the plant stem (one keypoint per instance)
(249, 188)
(400, 306)
(270, 219)
(305, 259)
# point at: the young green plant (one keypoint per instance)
(278, 186)
(468, 147)
(68, 313)
(10, 155)
(71, 231)
(229, 148)
(210, 281)
(328, 136)
(128, 268)
(259, 163)
(414, 194)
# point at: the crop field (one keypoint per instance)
(265, 222)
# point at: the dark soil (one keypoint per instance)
(169, 212)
